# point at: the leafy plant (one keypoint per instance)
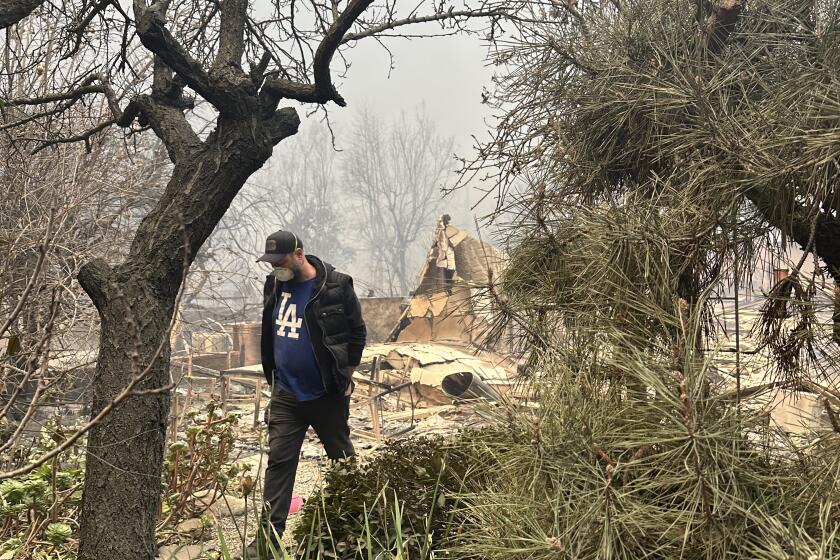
(37, 511)
(400, 504)
(198, 468)
(58, 533)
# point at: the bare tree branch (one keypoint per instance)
(63, 96)
(156, 37)
(82, 136)
(450, 14)
(42, 253)
(87, 86)
(323, 90)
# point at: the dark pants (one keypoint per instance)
(287, 424)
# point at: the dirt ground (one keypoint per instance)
(308, 480)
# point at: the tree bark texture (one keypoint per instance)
(12, 11)
(136, 301)
(125, 450)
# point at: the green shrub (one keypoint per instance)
(399, 504)
(29, 503)
(197, 471)
(199, 465)
(668, 473)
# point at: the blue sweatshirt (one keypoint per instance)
(296, 370)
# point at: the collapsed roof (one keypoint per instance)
(451, 304)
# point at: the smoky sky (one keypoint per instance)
(446, 75)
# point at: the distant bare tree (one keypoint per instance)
(295, 191)
(224, 281)
(301, 185)
(394, 174)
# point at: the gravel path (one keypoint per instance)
(308, 480)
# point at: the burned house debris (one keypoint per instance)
(434, 352)
(450, 304)
(429, 356)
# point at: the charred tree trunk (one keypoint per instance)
(12, 11)
(136, 301)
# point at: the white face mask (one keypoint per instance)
(284, 274)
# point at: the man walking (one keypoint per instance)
(313, 335)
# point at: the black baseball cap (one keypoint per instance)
(278, 245)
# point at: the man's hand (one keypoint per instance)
(349, 390)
